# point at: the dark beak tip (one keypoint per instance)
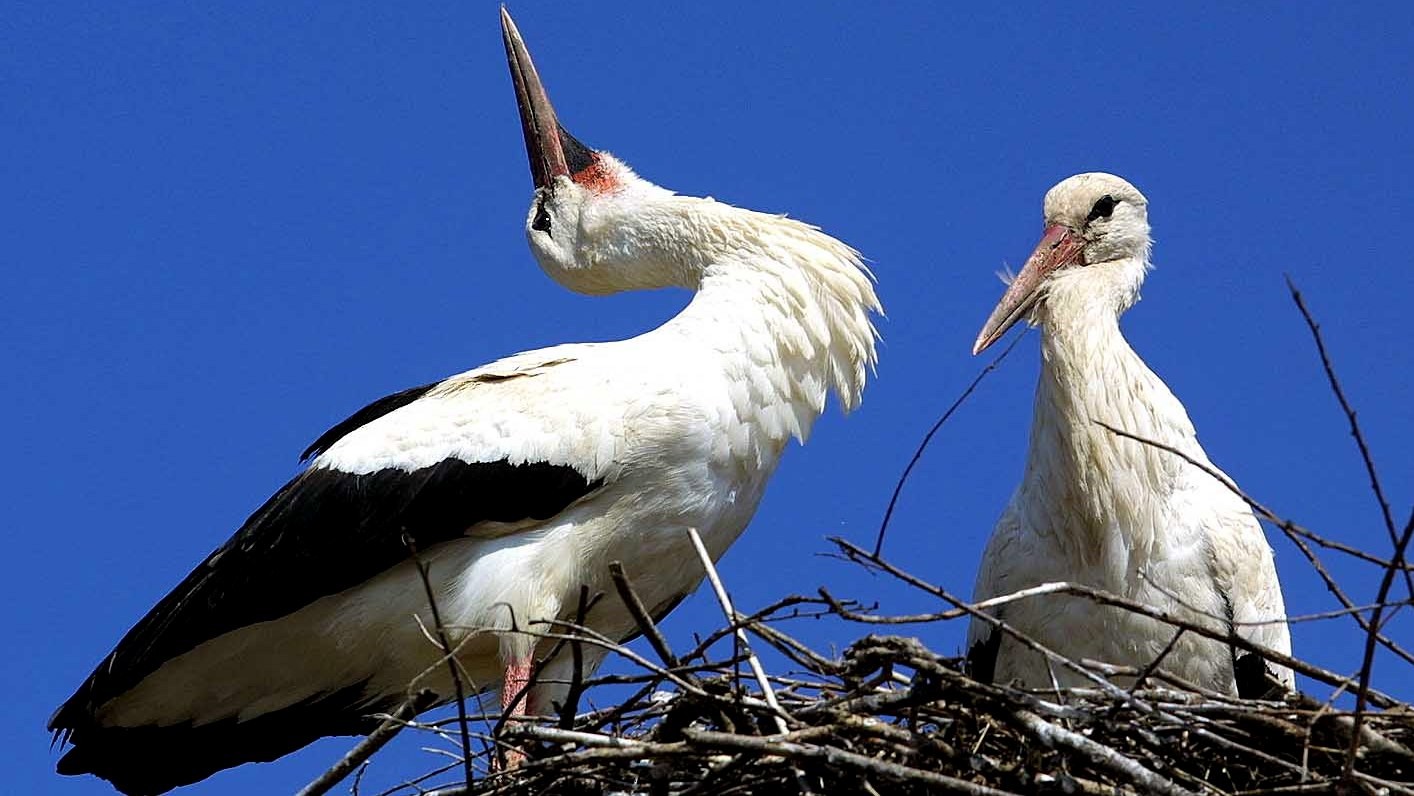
(537, 115)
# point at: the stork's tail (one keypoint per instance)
(149, 760)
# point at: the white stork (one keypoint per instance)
(1103, 510)
(518, 481)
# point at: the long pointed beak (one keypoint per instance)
(537, 116)
(1060, 246)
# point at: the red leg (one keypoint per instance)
(513, 683)
(517, 677)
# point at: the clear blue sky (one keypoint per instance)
(226, 228)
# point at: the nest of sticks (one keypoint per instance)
(890, 716)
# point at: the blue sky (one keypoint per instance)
(228, 227)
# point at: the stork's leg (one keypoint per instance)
(515, 681)
(515, 699)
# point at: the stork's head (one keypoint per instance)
(594, 225)
(1095, 249)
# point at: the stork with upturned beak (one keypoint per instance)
(518, 482)
(1106, 511)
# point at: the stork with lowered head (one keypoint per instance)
(1107, 511)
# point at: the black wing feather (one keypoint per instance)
(144, 761)
(1254, 679)
(326, 531)
(982, 657)
(363, 417)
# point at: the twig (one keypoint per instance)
(767, 692)
(1399, 542)
(1330, 582)
(364, 749)
(839, 607)
(787, 645)
(704, 644)
(640, 615)
(1310, 670)
(1153, 665)
(562, 735)
(1051, 656)
(571, 705)
(1355, 431)
(415, 782)
(927, 438)
(447, 651)
(1368, 663)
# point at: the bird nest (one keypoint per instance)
(890, 716)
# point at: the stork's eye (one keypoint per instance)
(542, 219)
(1102, 208)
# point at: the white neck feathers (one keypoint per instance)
(1086, 482)
(789, 305)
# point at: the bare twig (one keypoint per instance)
(640, 615)
(576, 689)
(1262, 511)
(1355, 431)
(1367, 664)
(1398, 541)
(364, 749)
(447, 651)
(767, 693)
(1153, 665)
(1104, 597)
(927, 438)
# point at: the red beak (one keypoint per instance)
(1060, 247)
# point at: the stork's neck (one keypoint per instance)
(1087, 485)
(786, 308)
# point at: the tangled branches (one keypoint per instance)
(889, 715)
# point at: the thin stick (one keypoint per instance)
(1399, 542)
(1367, 665)
(571, 706)
(446, 645)
(364, 749)
(1296, 664)
(839, 607)
(1153, 665)
(640, 615)
(1355, 431)
(918, 454)
(767, 693)
(1331, 585)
